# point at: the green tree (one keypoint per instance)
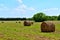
(59, 17)
(54, 18)
(51, 17)
(48, 17)
(39, 17)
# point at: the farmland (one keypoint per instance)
(10, 30)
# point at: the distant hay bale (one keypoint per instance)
(16, 22)
(27, 23)
(2, 22)
(31, 22)
(47, 27)
(19, 22)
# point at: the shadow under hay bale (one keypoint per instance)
(27, 23)
(47, 27)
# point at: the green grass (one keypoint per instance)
(10, 30)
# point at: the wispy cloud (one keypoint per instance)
(51, 11)
(32, 9)
(20, 1)
(21, 9)
(3, 7)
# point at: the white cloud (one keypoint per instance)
(20, 1)
(1, 4)
(24, 8)
(51, 11)
(21, 9)
(3, 7)
(32, 9)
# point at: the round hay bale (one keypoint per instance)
(31, 22)
(16, 22)
(19, 22)
(27, 23)
(47, 27)
(2, 22)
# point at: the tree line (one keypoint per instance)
(38, 17)
(11, 19)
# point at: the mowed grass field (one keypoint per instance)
(10, 30)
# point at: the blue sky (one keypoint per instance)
(27, 8)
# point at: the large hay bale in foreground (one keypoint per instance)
(47, 27)
(27, 23)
